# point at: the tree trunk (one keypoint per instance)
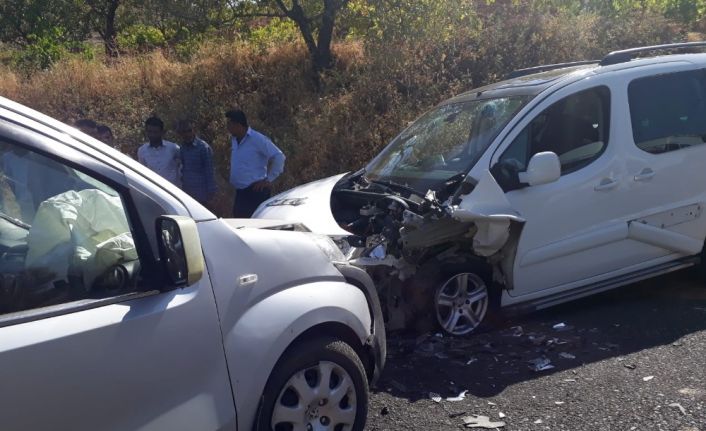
(110, 32)
(323, 59)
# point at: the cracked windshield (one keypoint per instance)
(444, 142)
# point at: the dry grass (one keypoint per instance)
(371, 94)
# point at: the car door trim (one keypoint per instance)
(34, 314)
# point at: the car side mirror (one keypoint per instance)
(180, 250)
(543, 168)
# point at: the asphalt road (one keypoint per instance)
(639, 364)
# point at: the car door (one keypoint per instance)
(576, 227)
(665, 157)
(90, 336)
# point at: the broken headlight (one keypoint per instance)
(328, 247)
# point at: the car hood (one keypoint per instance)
(308, 204)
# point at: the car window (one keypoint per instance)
(575, 128)
(668, 111)
(64, 235)
(444, 142)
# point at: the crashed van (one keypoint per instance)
(559, 182)
(127, 305)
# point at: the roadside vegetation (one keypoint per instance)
(332, 81)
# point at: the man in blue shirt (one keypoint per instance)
(255, 162)
(197, 176)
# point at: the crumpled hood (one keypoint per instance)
(308, 204)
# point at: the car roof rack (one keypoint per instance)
(547, 67)
(625, 55)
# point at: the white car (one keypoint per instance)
(560, 182)
(124, 304)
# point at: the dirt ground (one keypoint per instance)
(629, 359)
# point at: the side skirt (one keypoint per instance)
(591, 289)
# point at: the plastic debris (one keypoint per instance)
(460, 397)
(678, 406)
(540, 364)
(435, 397)
(492, 404)
(559, 403)
(517, 331)
(561, 327)
(630, 366)
(539, 421)
(502, 415)
(567, 355)
(648, 378)
(476, 421)
(472, 360)
(569, 380)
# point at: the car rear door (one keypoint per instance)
(89, 338)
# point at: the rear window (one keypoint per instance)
(668, 111)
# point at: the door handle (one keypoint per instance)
(605, 184)
(645, 175)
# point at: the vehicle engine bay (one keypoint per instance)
(410, 243)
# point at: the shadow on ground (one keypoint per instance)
(653, 313)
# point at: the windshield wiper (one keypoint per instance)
(14, 221)
(398, 186)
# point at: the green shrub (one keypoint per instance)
(141, 38)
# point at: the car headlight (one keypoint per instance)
(328, 247)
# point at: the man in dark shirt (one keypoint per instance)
(197, 173)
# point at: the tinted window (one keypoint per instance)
(64, 236)
(668, 111)
(575, 128)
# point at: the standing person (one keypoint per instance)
(255, 162)
(197, 174)
(158, 154)
(87, 126)
(105, 135)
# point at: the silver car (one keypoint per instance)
(124, 304)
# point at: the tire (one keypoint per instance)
(426, 289)
(334, 409)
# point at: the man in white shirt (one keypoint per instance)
(255, 162)
(159, 155)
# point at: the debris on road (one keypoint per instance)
(567, 355)
(540, 364)
(476, 421)
(630, 366)
(539, 421)
(501, 415)
(678, 406)
(460, 397)
(648, 378)
(435, 397)
(385, 411)
(561, 327)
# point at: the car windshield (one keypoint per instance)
(444, 142)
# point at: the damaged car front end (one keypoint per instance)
(433, 238)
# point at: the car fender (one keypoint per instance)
(260, 337)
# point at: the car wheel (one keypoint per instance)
(461, 303)
(318, 385)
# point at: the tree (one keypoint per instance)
(315, 19)
(104, 14)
